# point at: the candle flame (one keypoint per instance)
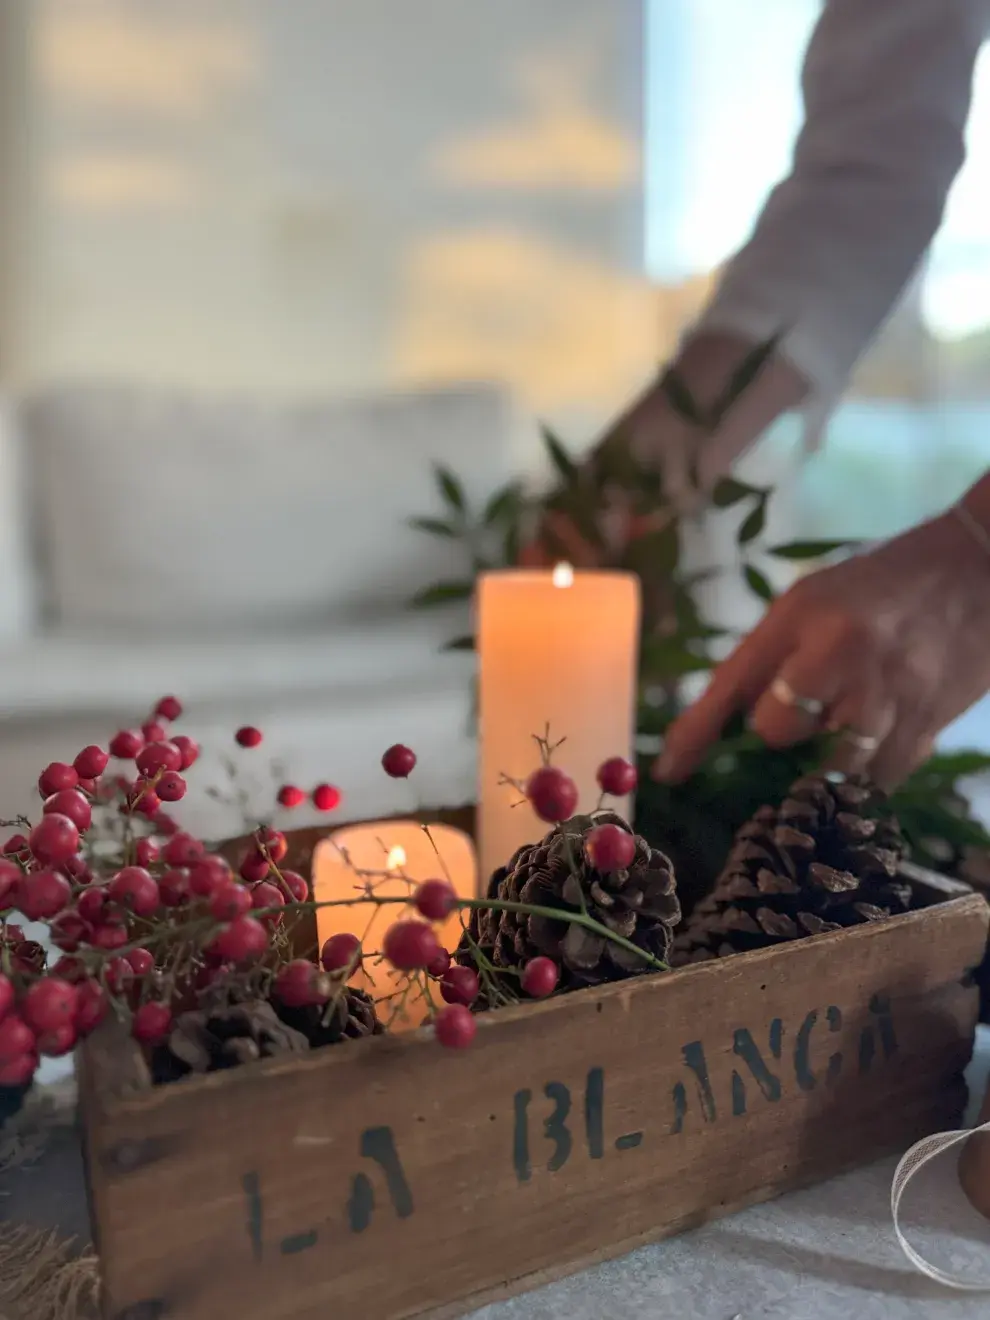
(563, 575)
(396, 859)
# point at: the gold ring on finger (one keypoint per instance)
(785, 694)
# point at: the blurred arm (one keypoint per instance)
(887, 87)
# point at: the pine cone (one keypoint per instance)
(828, 857)
(222, 1036)
(639, 904)
(352, 1017)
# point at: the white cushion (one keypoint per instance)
(63, 673)
(160, 513)
(17, 579)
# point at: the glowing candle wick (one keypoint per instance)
(396, 859)
(563, 575)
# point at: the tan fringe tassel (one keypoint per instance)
(43, 1277)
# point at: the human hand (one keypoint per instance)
(886, 649)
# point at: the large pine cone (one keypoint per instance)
(352, 1017)
(639, 904)
(828, 857)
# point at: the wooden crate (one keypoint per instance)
(391, 1178)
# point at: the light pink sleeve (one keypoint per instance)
(887, 87)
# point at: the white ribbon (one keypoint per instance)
(920, 1154)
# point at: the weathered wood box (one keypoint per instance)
(391, 1178)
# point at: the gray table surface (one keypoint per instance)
(827, 1253)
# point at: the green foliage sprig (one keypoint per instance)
(698, 819)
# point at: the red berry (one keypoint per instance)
(91, 762)
(19, 1070)
(49, 1004)
(409, 945)
(609, 847)
(88, 786)
(158, 756)
(459, 985)
(435, 900)
(208, 874)
(272, 842)
(58, 1040)
(174, 887)
(126, 744)
(54, 839)
(56, 777)
(118, 975)
(151, 1023)
(183, 850)
(142, 961)
(229, 900)
(297, 886)
(188, 748)
(77, 869)
(15, 845)
(169, 708)
(91, 1007)
(16, 1038)
(552, 794)
(146, 852)
(10, 875)
(43, 894)
(326, 797)
(68, 930)
(244, 940)
(29, 958)
(68, 969)
(617, 777)
(153, 732)
(144, 799)
(90, 903)
(267, 895)
(455, 1027)
(289, 796)
(341, 953)
(254, 867)
(438, 964)
(70, 802)
(248, 736)
(133, 888)
(109, 935)
(540, 977)
(300, 983)
(7, 995)
(399, 761)
(171, 787)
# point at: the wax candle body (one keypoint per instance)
(404, 851)
(559, 649)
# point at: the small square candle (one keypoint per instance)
(405, 855)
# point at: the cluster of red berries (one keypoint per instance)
(116, 922)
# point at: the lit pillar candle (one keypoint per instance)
(555, 648)
(404, 852)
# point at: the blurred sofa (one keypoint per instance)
(256, 561)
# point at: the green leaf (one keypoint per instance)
(442, 593)
(744, 376)
(655, 554)
(663, 658)
(808, 549)
(559, 456)
(435, 527)
(757, 583)
(465, 643)
(729, 491)
(675, 390)
(502, 505)
(511, 545)
(753, 523)
(450, 488)
(957, 765)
